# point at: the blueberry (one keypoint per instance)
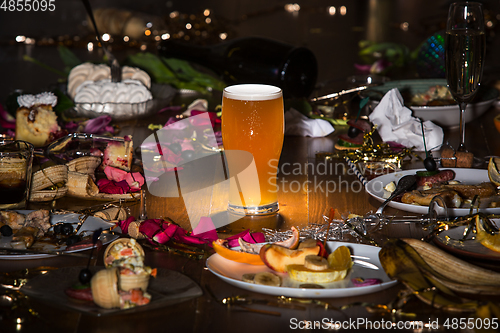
(187, 154)
(175, 147)
(57, 229)
(353, 132)
(67, 229)
(85, 276)
(430, 164)
(73, 239)
(6, 231)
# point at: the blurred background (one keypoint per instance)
(337, 31)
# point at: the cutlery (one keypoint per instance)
(340, 93)
(116, 72)
(404, 184)
(7, 251)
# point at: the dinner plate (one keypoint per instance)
(375, 188)
(443, 115)
(91, 223)
(451, 241)
(169, 287)
(366, 265)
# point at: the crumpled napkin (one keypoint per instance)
(395, 123)
(298, 124)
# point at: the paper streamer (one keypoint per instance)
(356, 171)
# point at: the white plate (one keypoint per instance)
(442, 115)
(366, 265)
(375, 188)
(91, 223)
(451, 241)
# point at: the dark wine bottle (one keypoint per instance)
(252, 60)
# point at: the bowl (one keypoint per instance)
(162, 96)
(442, 115)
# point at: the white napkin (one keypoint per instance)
(395, 123)
(298, 124)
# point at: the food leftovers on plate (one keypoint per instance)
(435, 96)
(33, 230)
(122, 284)
(444, 184)
(306, 262)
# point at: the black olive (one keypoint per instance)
(67, 229)
(175, 147)
(430, 164)
(187, 154)
(73, 239)
(6, 231)
(353, 132)
(57, 229)
(85, 276)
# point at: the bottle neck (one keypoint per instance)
(203, 55)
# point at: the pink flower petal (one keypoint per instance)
(97, 125)
(125, 224)
(115, 174)
(187, 145)
(109, 187)
(360, 282)
(205, 230)
(254, 237)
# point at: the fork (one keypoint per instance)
(116, 71)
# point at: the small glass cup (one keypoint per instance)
(16, 160)
(253, 122)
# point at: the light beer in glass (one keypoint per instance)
(253, 121)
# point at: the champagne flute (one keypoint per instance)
(465, 46)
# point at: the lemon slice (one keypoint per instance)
(493, 173)
(491, 241)
(340, 259)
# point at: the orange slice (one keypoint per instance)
(491, 241)
(241, 257)
(340, 259)
(496, 121)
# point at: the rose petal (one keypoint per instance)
(205, 230)
(109, 187)
(360, 282)
(125, 224)
(115, 174)
(97, 125)
(254, 237)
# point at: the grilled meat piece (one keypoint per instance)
(39, 219)
(24, 237)
(424, 198)
(13, 219)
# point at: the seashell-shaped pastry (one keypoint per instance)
(48, 195)
(81, 185)
(104, 286)
(128, 282)
(114, 254)
(49, 176)
(84, 164)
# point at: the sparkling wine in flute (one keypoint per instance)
(465, 50)
(464, 62)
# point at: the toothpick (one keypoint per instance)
(330, 219)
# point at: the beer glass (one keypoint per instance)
(253, 121)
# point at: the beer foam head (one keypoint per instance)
(252, 92)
